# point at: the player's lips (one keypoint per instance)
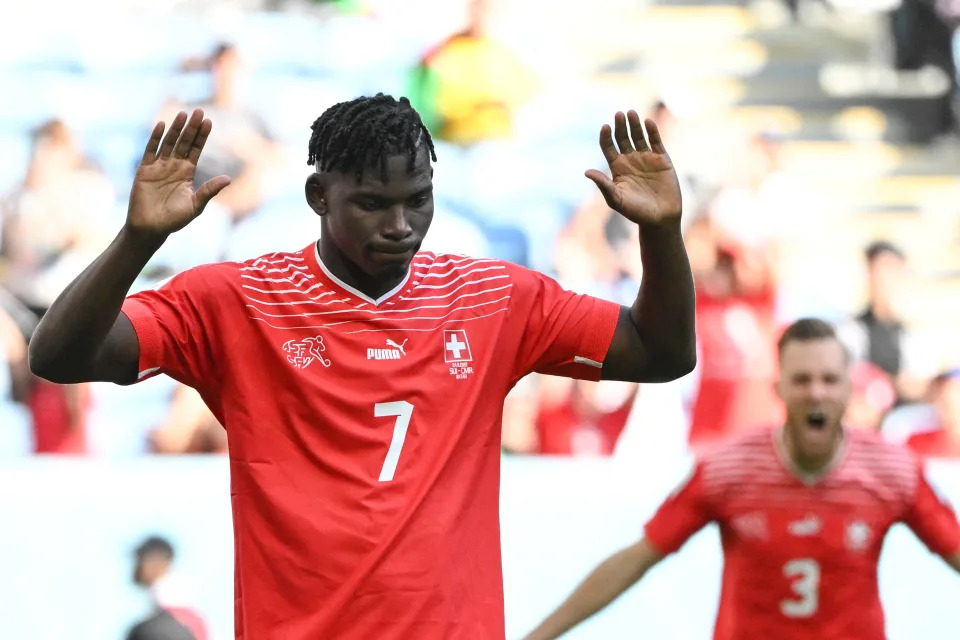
(398, 249)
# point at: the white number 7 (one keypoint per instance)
(403, 410)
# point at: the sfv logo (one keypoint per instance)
(302, 353)
(395, 353)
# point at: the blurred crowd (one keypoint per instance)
(513, 137)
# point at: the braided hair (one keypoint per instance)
(351, 136)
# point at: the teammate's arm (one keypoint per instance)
(934, 521)
(954, 561)
(655, 339)
(611, 578)
(84, 336)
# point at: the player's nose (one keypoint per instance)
(396, 224)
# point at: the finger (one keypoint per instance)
(209, 189)
(150, 153)
(202, 134)
(636, 131)
(621, 134)
(656, 142)
(606, 186)
(170, 140)
(606, 144)
(185, 143)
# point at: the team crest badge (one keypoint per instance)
(457, 354)
(858, 535)
(303, 353)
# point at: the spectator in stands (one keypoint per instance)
(736, 294)
(190, 427)
(468, 86)
(872, 396)
(939, 434)
(54, 222)
(13, 353)
(923, 32)
(173, 617)
(242, 146)
(877, 334)
(558, 416)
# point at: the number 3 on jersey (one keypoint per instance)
(804, 574)
(402, 410)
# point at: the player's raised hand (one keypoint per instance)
(162, 199)
(644, 187)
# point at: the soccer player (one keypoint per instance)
(803, 511)
(360, 381)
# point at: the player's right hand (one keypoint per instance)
(162, 199)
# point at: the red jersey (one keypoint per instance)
(800, 556)
(364, 435)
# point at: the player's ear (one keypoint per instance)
(778, 387)
(316, 192)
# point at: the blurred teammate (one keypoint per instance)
(361, 382)
(803, 511)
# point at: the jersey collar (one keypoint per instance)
(314, 252)
(803, 476)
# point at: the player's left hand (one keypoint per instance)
(644, 187)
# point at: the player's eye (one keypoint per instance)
(419, 200)
(369, 204)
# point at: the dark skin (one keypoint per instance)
(370, 233)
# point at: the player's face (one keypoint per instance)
(375, 226)
(814, 385)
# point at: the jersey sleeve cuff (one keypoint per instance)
(145, 326)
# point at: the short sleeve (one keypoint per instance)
(681, 515)
(175, 323)
(564, 333)
(932, 519)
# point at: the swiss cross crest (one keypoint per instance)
(858, 535)
(302, 353)
(457, 354)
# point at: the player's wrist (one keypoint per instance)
(141, 240)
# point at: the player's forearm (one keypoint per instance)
(77, 323)
(614, 576)
(664, 311)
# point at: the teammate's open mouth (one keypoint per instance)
(817, 419)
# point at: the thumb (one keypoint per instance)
(209, 189)
(607, 189)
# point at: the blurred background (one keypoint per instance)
(818, 146)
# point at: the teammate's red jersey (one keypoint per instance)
(800, 555)
(364, 435)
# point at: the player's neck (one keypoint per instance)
(338, 265)
(806, 466)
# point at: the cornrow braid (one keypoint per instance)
(351, 136)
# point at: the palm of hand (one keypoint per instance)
(644, 187)
(162, 199)
(163, 191)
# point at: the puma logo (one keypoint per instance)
(395, 353)
(391, 343)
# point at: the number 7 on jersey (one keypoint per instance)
(402, 410)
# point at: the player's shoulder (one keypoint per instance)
(873, 448)
(747, 445)
(884, 467)
(455, 261)
(283, 262)
(743, 458)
